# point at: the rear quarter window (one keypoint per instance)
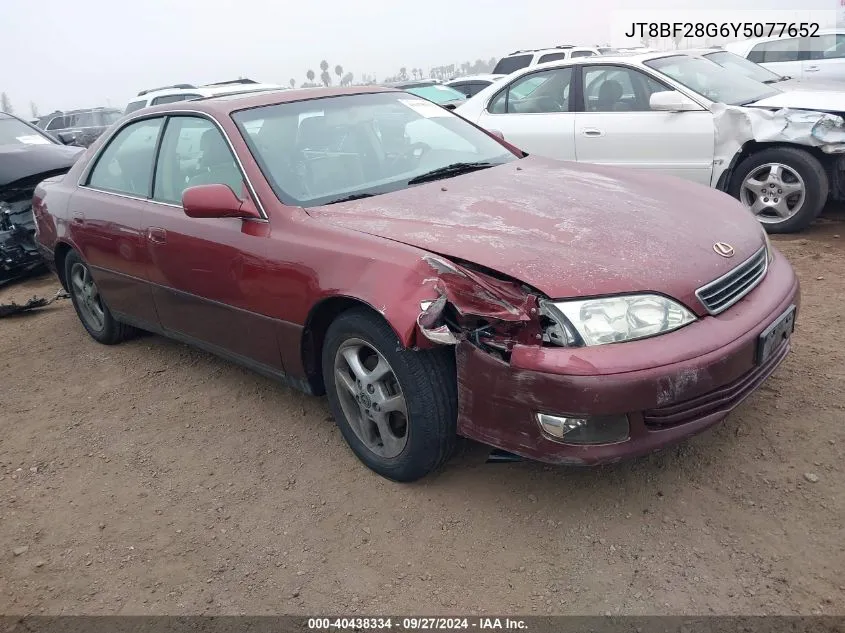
(551, 57)
(507, 65)
(135, 105)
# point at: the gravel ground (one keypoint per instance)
(150, 478)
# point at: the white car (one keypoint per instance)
(471, 85)
(531, 57)
(821, 57)
(762, 74)
(187, 92)
(665, 112)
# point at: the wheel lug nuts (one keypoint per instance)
(375, 407)
(370, 389)
(779, 191)
(765, 199)
(776, 199)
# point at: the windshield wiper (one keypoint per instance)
(354, 196)
(455, 169)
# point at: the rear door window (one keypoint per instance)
(783, 50)
(126, 164)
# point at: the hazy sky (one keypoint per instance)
(82, 53)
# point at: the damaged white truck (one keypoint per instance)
(779, 152)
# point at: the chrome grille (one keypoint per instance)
(722, 293)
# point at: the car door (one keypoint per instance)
(616, 126)
(826, 57)
(105, 218)
(202, 269)
(535, 113)
(784, 56)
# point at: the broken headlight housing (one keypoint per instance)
(587, 322)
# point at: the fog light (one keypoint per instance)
(599, 429)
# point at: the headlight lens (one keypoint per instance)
(615, 319)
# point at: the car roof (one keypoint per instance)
(205, 91)
(223, 105)
(550, 49)
(485, 76)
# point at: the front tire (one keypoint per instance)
(90, 306)
(785, 187)
(396, 408)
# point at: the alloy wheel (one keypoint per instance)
(87, 296)
(774, 192)
(371, 398)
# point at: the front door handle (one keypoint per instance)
(811, 69)
(77, 218)
(592, 132)
(156, 235)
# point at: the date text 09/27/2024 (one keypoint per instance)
(415, 624)
(725, 29)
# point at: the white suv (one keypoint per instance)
(523, 59)
(819, 57)
(187, 92)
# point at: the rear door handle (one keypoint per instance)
(591, 131)
(156, 235)
(811, 69)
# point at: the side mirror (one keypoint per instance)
(67, 138)
(497, 134)
(672, 101)
(215, 201)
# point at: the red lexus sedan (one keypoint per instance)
(431, 279)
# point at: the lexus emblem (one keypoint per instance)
(724, 249)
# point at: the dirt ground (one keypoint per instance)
(150, 478)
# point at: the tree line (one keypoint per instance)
(6, 106)
(441, 73)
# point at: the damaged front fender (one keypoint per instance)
(487, 309)
(737, 125)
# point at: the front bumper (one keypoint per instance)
(671, 386)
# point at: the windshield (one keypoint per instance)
(324, 150)
(746, 67)
(437, 93)
(711, 80)
(14, 132)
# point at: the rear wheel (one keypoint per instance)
(785, 187)
(396, 408)
(89, 304)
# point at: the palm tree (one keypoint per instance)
(403, 73)
(310, 75)
(293, 83)
(325, 77)
(347, 80)
(338, 70)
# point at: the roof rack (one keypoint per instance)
(565, 46)
(231, 83)
(179, 86)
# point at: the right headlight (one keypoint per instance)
(612, 319)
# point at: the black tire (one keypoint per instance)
(807, 166)
(112, 331)
(428, 381)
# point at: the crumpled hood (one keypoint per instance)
(20, 161)
(567, 229)
(819, 100)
